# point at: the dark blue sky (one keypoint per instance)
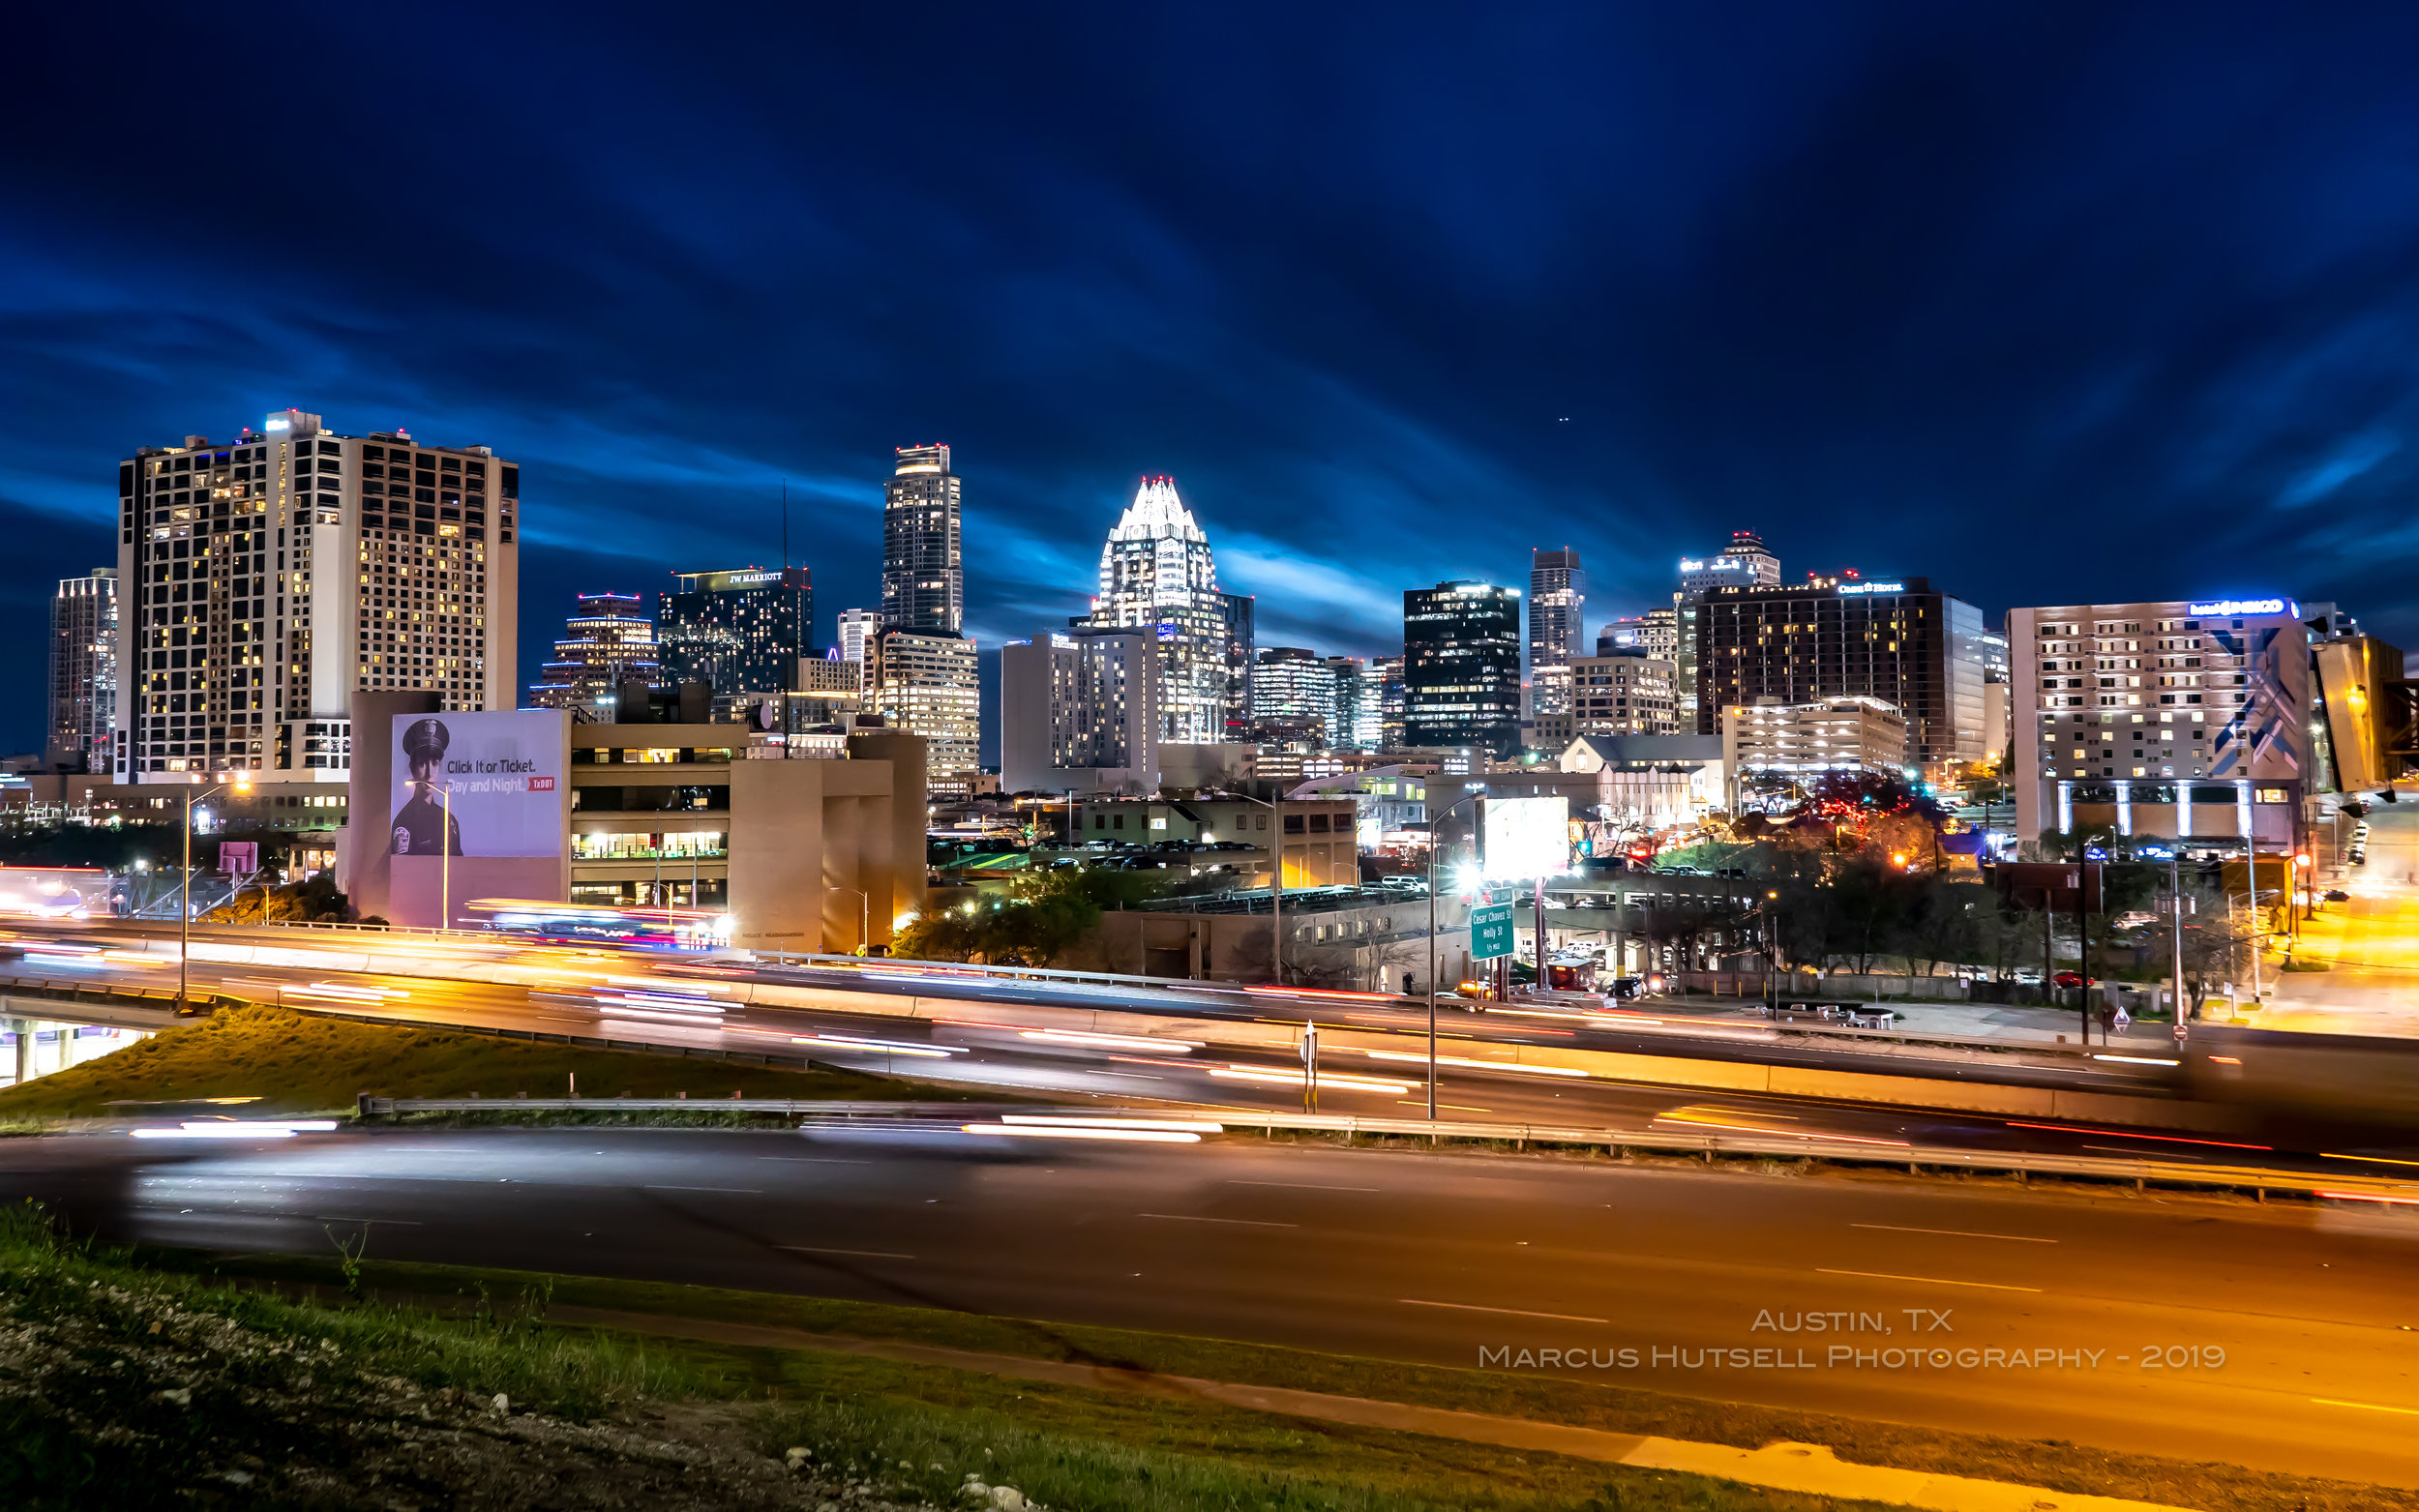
(2044, 303)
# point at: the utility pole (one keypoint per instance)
(2175, 899)
(2082, 944)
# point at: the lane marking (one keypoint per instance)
(810, 1249)
(657, 1186)
(1930, 1281)
(1955, 1234)
(1197, 1218)
(1508, 1312)
(2126, 1149)
(2366, 1406)
(1307, 1186)
(2128, 1134)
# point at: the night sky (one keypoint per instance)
(2044, 303)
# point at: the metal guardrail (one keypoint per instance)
(1916, 1158)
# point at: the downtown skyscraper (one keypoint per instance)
(1558, 596)
(84, 671)
(1156, 571)
(923, 568)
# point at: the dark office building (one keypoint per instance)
(1462, 667)
(1898, 640)
(742, 632)
(1242, 642)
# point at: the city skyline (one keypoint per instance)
(1996, 359)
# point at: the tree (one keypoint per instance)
(314, 900)
(1042, 914)
(1870, 903)
(1946, 923)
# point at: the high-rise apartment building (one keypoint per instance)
(1242, 647)
(1462, 667)
(923, 570)
(740, 632)
(1077, 713)
(1747, 564)
(264, 581)
(1628, 693)
(84, 671)
(607, 642)
(1293, 689)
(857, 629)
(1558, 596)
(1655, 633)
(1157, 573)
(927, 685)
(2164, 717)
(1360, 703)
(1386, 674)
(1900, 641)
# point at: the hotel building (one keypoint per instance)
(266, 580)
(2167, 718)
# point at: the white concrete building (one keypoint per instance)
(1079, 713)
(1773, 744)
(2168, 717)
(1157, 573)
(927, 686)
(1635, 695)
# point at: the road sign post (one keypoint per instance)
(1491, 929)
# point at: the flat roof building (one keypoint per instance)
(266, 580)
(1462, 667)
(2162, 717)
(1898, 640)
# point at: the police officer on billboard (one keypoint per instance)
(422, 819)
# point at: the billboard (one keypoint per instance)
(492, 783)
(1522, 839)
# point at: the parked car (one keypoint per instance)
(2074, 979)
(2335, 894)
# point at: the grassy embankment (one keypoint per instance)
(294, 1063)
(129, 1386)
(1075, 1447)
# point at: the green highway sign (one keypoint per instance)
(1491, 929)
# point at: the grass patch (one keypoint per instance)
(1081, 1449)
(126, 1387)
(130, 1385)
(874, 1410)
(295, 1063)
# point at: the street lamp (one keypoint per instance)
(1473, 793)
(185, 896)
(1277, 886)
(864, 918)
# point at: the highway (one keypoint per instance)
(2281, 1335)
(1045, 1038)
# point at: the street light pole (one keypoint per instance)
(1277, 886)
(184, 894)
(1475, 790)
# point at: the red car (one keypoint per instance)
(2073, 979)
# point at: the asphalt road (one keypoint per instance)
(2281, 1336)
(993, 1042)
